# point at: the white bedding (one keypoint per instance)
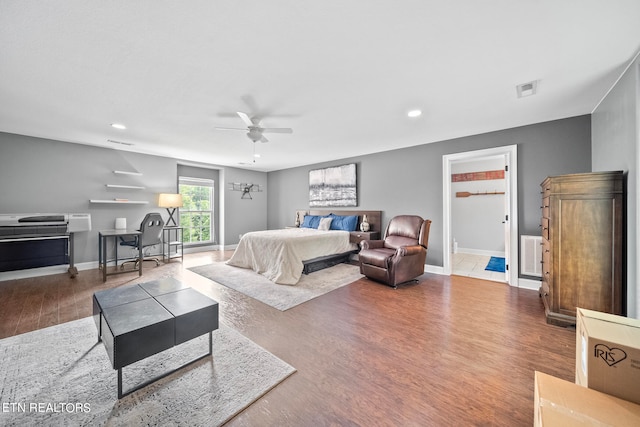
(278, 254)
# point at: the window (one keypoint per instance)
(196, 213)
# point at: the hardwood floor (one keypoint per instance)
(446, 351)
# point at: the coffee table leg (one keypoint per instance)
(146, 383)
(100, 329)
(119, 383)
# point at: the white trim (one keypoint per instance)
(480, 252)
(63, 268)
(202, 182)
(45, 271)
(534, 285)
(435, 269)
(203, 248)
(510, 153)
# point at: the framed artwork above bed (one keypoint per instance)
(333, 187)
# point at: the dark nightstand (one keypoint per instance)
(359, 236)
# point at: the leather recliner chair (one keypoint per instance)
(400, 257)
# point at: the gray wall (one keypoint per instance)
(243, 215)
(40, 175)
(409, 180)
(616, 130)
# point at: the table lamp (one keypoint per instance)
(171, 202)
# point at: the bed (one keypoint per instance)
(283, 255)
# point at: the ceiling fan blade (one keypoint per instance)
(251, 103)
(221, 128)
(245, 118)
(277, 130)
(263, 139)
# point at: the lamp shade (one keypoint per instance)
(166, 200)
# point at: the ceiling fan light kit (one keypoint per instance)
(253, 129)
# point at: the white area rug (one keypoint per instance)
(282, 297)
(62, 376)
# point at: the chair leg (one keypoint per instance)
(137, 262)
(134, 261)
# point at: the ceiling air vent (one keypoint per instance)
(119, 142)
(527, 89)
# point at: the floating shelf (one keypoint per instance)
(132, 187)
(122, 202)
(127, 173)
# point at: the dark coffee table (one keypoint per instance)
(138, 321)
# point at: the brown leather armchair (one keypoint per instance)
(401, 255)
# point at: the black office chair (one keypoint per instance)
(151, 228)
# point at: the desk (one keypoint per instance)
(103, 237)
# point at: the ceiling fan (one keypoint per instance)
(254, 130)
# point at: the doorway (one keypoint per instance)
(506, 156)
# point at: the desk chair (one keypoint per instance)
(151, 228)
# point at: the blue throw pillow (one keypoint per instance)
(344, 222)
(311, 221)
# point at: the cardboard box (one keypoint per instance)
(565, 404)
(608, 353)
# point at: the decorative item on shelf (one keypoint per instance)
(246, 189)
(364, 225)
(171, 202)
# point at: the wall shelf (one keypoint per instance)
(127, 173)
(132, 187)
(122, 202)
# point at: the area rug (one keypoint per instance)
(496, 264)
(62, 376)
(282, 297)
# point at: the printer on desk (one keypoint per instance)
(39, 240)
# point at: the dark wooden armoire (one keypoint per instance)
(582, 245)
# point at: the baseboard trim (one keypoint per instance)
(45, 271)
(480, 252)
(64, 268)
(434, 269)
(534, 285)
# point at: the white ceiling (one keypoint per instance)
(342, 74)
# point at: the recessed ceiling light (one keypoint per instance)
(118, 126)
(527, 89)
(414, 113)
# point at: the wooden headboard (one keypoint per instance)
(374, 218)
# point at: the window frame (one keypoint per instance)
(200, 182)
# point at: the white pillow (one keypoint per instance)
(325, 223)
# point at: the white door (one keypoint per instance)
(511, 206)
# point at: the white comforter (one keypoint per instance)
(278, 254)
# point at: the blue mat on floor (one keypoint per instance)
(496, 264)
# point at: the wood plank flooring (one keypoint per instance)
(446, 351)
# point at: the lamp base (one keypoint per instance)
(171, 222)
